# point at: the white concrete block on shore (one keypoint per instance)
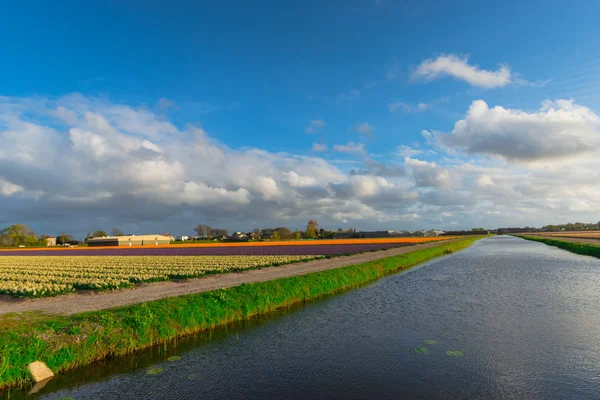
(40, 371)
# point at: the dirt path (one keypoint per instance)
(76, 303)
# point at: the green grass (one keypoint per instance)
(585, 249)
(68, 342)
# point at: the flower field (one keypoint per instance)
(576, 234)
(39, 276)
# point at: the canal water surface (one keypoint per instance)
(506, 318)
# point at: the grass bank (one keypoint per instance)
(68, 342)
(585, 249)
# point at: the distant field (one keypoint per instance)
(303, 247)
(48, 275)
(582, 235)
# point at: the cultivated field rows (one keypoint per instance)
(47, 275)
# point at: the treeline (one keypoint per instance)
(312, 231)
(577, 226)
(209, 233)
(22, 235)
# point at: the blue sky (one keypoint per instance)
(371, 75)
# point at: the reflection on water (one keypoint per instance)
(523, 315)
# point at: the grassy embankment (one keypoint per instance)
(68, 342)
(586, 249)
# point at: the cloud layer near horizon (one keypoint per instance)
(77, 164)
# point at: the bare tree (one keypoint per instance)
(200, 230)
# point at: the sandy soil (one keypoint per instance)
(76, 303)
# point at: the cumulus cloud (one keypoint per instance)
(379, 169)
(8, 189)
(428, 174)
(459, 68)
(315, 126)
(364, 128)
(78, 164)
(407, 151)
(409, 108)
(350, 147)
(559, 129)
(319, 147)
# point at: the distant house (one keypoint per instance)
(50, 241)
(182, 238)
(239, 236)
(267, 233)
(133, 240)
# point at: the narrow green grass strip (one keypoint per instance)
(586, 249)
(68, 342)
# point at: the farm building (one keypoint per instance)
(132, 240)
(50, 241)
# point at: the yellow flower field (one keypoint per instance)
(37, 276)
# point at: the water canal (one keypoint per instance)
(524, 316)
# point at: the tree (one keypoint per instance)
(18, 234)
(201, 230)
(116, 232)
(328, 235)
(218, 232)
(297, 235)
(99, 233)
(283, 233)
(275, 235)
(64, 238)
(311, 229)
(340, 230)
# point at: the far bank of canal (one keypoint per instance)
(505, 318)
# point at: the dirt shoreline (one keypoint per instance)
(70, 304)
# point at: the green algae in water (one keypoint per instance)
(174, 358)
(192, 377)
(430, 341)
(67, 398)
(154, 371)
(454, 353)
(423, 350)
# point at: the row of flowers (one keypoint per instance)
(37, 276)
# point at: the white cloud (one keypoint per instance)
(429, 173)
(87, 167)
(8, 189)
(559, 129)
(350, 147)
(398, 105)
(459, 68)
(417, 108)
(351, 95)
(407, 151)
(319, 147)
(315, 126)
(164, 104)
(364, 128)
